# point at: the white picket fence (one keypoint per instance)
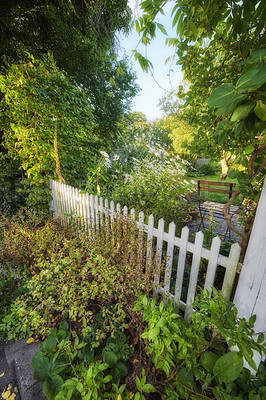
(92, 213)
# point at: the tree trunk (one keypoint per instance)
(57, 161)
(225, 165)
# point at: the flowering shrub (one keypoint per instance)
(145, 177)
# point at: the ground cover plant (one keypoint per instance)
(86, 298)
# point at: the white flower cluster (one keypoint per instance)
(106, 161)
(128, 178)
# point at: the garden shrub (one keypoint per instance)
(102, 338)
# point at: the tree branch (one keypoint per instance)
(251, 163)
(228, 217)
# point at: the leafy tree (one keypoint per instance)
(47, 124)
(221, 46)
(81, 36)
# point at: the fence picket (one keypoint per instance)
(194, 275)
(181, 265)
(169, 258)
(231, 270)
(158, 258)
(140, 238)
(149, 243)
(92, 210)
(96, 207)
(212, 265)
(125, 211)
(106, 214)
(101, 212)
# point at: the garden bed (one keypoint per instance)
(102, 336)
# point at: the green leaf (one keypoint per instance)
(253, 79)
(137, 396)
(42, 366)
(258, 55)
(228, 367)
(225, 95)
(252, 319)
(249, 149)
(109, 357)
(260, 338)
(148, 388)
(242, 110)
(49, 344)
(162, 28)
(208, 360)
(138, 383)
(186, 378)
(260, 110)
(52, 386)
(223, 137)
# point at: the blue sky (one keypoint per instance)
(148, 99)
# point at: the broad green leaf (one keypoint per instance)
(52, 386)
(109, 357)
(242, 110)
(225, 95)
(249, 149)
(260, 110)
(208, 360)
(253, 79)
(186, 377)
(148, 388)
(42, 366)
(228, 367)
(49, 344)
(223, 137)
(258, 55)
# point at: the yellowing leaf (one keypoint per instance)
(119, 397)
(3, 373)
(30, 340)
(6, 395)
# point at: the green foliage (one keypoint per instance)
(41, 104)
(195, 357)
(221, 48)
(93, 337)
(81, 37)
(51, 266)
(157, 188)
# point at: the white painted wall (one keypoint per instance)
(250, 297)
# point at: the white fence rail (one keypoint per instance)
(93, 213)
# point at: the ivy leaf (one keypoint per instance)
(260, 110)
(228, 367)
(242, 110)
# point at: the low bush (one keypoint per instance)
(103, 337)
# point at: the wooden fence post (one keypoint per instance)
(250, 297)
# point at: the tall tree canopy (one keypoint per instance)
(81, 36)
(221, 46)
(63, 88)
